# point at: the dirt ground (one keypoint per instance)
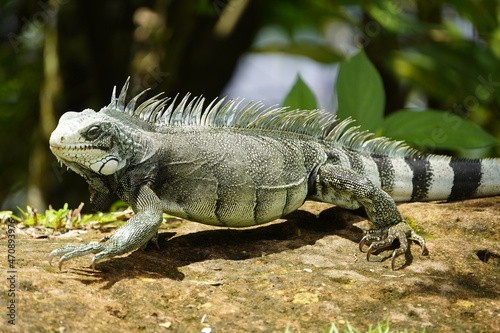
(302, 273)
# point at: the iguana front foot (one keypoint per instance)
(103, 249)
(69, 252)
(109, 246)
(384, 237)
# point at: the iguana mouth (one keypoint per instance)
(72, 147)
(73, 153)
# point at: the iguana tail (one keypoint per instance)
(434, 177)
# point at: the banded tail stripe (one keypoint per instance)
(490, 178)
(422, 177)
(467, 177)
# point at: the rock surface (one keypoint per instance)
(302, 273)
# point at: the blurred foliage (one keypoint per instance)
(360, 93)
(434, 55)
(433, 130)
(361, 97)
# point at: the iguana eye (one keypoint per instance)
(93, 132)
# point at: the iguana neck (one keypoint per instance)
(142, 146)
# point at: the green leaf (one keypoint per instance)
(360, 92)
(300, 96)
(436, 129)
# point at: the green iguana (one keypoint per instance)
(234, 165)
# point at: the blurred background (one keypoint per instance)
(62, 55)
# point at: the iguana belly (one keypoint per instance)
(234, 205)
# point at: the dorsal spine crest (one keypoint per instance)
(231, 113)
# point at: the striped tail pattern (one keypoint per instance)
(433, 177)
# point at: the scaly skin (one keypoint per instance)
(237, 166)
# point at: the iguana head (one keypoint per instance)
(89, 140)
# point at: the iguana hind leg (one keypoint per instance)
(348, 189)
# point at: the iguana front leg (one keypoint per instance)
(346, 188)
(136, 232)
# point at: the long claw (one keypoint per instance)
(153, 240)
(425, 251)
(92, 263)
(393, 260)
(361, 244)
(50, 260)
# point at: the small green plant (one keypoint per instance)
(66, 218)
(418, 228)
(55, 219)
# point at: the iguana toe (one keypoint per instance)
(153, 240)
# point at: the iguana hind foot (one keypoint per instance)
(384, 237)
